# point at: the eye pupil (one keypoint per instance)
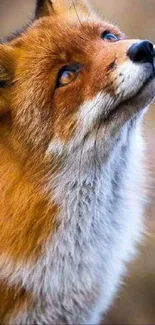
(109, 36)
(66, 77)
(66, 74)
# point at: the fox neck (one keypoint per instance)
(89, 166)
(84, 163)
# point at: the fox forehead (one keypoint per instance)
(63, 38)
(51, 43)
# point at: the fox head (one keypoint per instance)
(69, 75)
(70, 84)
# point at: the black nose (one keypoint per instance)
(142, 52)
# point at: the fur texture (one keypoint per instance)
(71, 167)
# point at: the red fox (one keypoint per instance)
(73, 91)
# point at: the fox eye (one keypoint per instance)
(109, 36)
(67, 74)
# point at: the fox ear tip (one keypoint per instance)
(43, 8)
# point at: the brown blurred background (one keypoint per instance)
(136, 301)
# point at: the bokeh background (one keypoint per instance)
(136, 301)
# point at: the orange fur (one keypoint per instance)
(32, 112)
(25, 211)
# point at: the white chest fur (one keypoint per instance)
(101, 221)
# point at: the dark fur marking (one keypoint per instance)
(41, 8)
(3, 84)
(112, 65)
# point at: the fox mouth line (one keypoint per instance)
(130, 99)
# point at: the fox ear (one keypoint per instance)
(7, 66)
(43, 8)
(49, 7)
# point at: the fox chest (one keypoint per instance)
(88, 234)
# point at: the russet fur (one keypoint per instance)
(71, 164)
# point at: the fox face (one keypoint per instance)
(70, 72)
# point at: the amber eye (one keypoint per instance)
(67, 74)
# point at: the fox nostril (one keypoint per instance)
(142, 52)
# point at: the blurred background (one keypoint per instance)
(136, 300)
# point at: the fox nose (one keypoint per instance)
(142, 52)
